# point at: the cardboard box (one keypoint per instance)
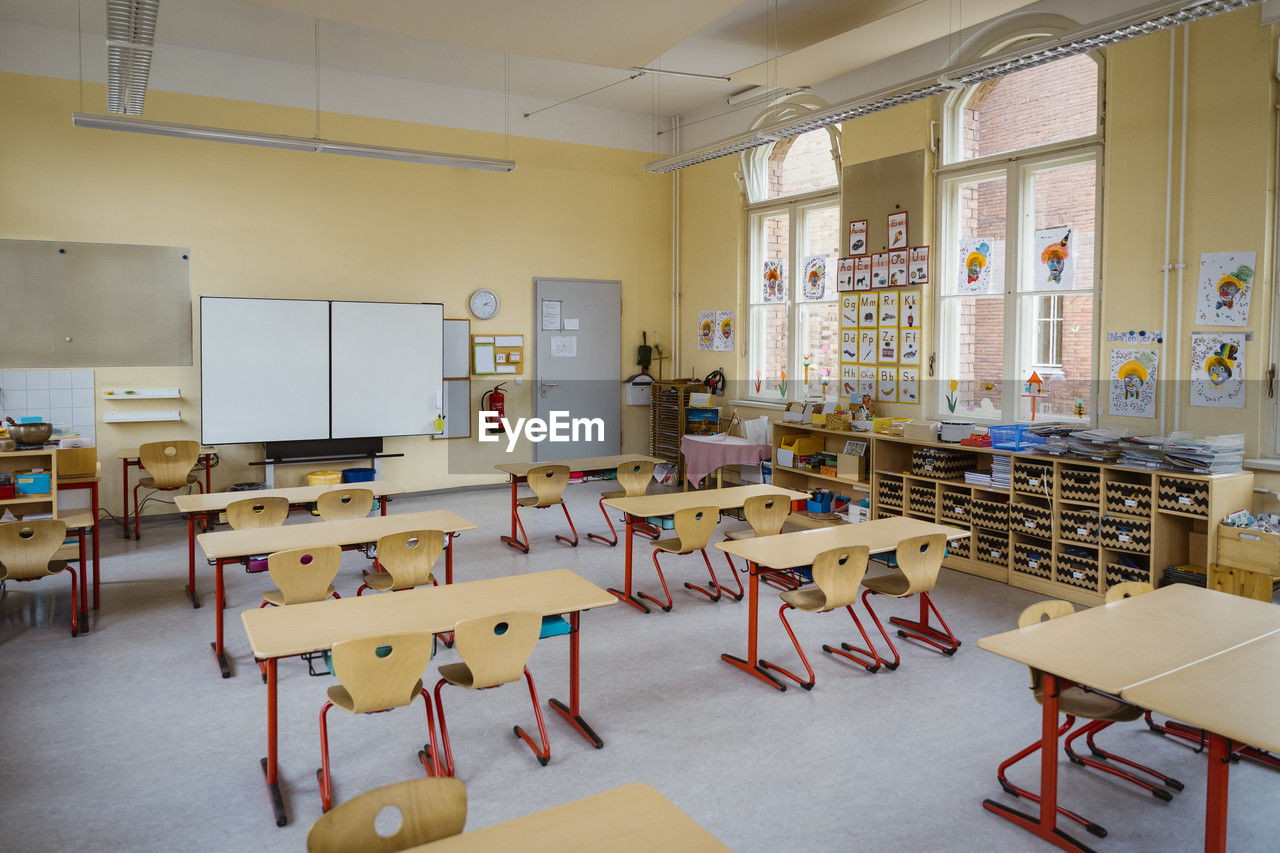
(32, 483)
(852, 468)
(77, 462)
(1251, 550)
(917, 430)
(1197, 548)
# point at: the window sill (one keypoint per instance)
(755, 404)
(1262, 464)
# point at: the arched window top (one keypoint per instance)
(800, 164)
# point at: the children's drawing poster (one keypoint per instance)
(706, 329)
(910, 344)
(898, 268)
(887, 385)
(849, 382)
(1055, 266)
(880, 270)
(849, 311)
(888, 309)
(844, 275)
(866, 382)
(849, 346)
(918, 265)
(1131, 387)
(774, 281)
(909, 312)
(977, 258)
(888, 339)
(1226, 285)
(862, 273)
(723, 336)
(858, 237)
(867, 346)
(1217, 369)
(813, 287)
(868, 310)
(908, 385)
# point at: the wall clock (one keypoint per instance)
(484, 304)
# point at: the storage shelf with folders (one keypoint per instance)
(669, 419)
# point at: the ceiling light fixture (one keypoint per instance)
(1070, 44)
(131, 37)
(289, 143)
(756, 94)
(693, 74)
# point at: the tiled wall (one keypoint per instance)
(62, 397)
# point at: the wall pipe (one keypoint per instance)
(1168, 229)
(1182, 227)
(675, 254)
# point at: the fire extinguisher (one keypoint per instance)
(494, 401)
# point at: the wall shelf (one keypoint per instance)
(129, 417)
(141, 393)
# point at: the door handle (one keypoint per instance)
(543, 385)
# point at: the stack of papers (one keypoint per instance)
(1001, 471)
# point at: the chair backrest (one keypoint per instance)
(634, 477)
(256, 513)
(169, 462)
(548, 482)
(766, 513)
(409, 556)
(381, 672)
(838, 573)
(430, 809)
(1126, 589)
(344, 504)
(496, 648)
(920, 559)
(26, 547)
(304, 574)
(695, 525)
(1043, 611)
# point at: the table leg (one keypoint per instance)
(751, 665)
(84, 586)
(208, 480)
(625, 593)
(270, 766)
(1215, 817)
(382, 505)
(93, 493)
(224, 665)
(124, 495)
(571, 712)
(448, 559)
(191, 560)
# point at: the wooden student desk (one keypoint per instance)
(669, 503)
(791, 550)
(233, 546)
(1173, 650)
(79, 523)
(276, 632)
(206, 507)
(90, 483)
(589, 465)
(129, 458)
(632, 819)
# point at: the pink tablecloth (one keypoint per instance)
(705, 453)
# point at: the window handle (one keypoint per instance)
(933, 356)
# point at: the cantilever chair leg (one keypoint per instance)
(867, 658)
(565, 539)
(521, 542)
(889, 665)
(807, 685)
(666, 607)
(544, 754)
(923, 631)
(612, 531)
(715, 584)
(1089, 825)
(1092, 728)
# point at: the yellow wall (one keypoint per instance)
(262, 222)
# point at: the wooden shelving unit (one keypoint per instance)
(669, 418)
(833, 441)
(1064, 528)
(26, 460)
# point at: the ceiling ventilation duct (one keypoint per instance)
(131, 37)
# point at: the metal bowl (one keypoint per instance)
(30, 433)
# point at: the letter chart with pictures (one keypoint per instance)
(880, 345)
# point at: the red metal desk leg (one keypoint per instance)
(208, 480)
(448, 560)
(751, 665)
(1215, 817)
(218, 652)
(124, 495)
(84, 586)
(270, 767)
(571, 712)
(624, 594)
(93, 493)
(191, 560)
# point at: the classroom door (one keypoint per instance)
(577, 362)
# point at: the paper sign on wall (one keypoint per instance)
(564, 346)
(866, 382)
(1131, 386)
(813, 287)
(723, 335)
(862, 273)
(849, 311)
(868, 309)
(1055, 266)
(908, 385)
(898, 268)
(774, 280)
(1217, 369)
(706, 330)
(880, 270)
(1226, 286)
(844, 275)
(849, 346)
(867, 346)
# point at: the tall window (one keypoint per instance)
(793, 222)
(1018, 198)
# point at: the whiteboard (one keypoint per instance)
(263, 370)
(457, 355)
(386, 368)
(457, 409)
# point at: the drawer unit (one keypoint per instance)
(990, 515)
(1252, 550)
(888, 513)
(1033, 478)
(1031, 520)
(922, 499)
(889, 492)
(1129, 498)
(1125, 534)
(955, 506)
(1079, 526)
(1189, 496)
(991, 548)
(1075, 484)
(1120, 572)
(940, 463)
(1034, 560)
(1078, 568)
(960, 547)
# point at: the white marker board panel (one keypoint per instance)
(386, 369)
(457, 409)
(263, 370)
(457, 350)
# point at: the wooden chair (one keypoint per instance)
(547, 482)
(766, 514)
(27, 550)
(693, 528)
(1126, 589)
(1074, 702)
(375, 674)
(836, 575)
(168, 465)
(257, 513)
(344, 504)
(303, 575)
(634, 478)
(919, 561)
(430, 809)
(407, 559)
(494, 651)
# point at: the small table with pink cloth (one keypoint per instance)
(706, 453)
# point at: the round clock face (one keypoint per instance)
(484, 303)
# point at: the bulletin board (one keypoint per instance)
(497, 354)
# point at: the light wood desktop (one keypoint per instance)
(668, 503)
(129, 458)
(276, 632)
(1119, 648)
(790, 550)
(635, 818)
(231, 546)
(204, 507)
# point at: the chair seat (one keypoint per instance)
(379, 581)
(740, 533)
(276, 597)
(150, 483)
(1093, 706)
(53, 568)
(895, 584)
(810, 599)
(671, 546)
(615, 494)
(459, 674)
(339, 696)
(532, 500)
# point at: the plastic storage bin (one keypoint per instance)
(1012, 436)
(324, 478)
(359, 475)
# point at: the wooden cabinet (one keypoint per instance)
(804, 479)
(18, 461)
(671, 416)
